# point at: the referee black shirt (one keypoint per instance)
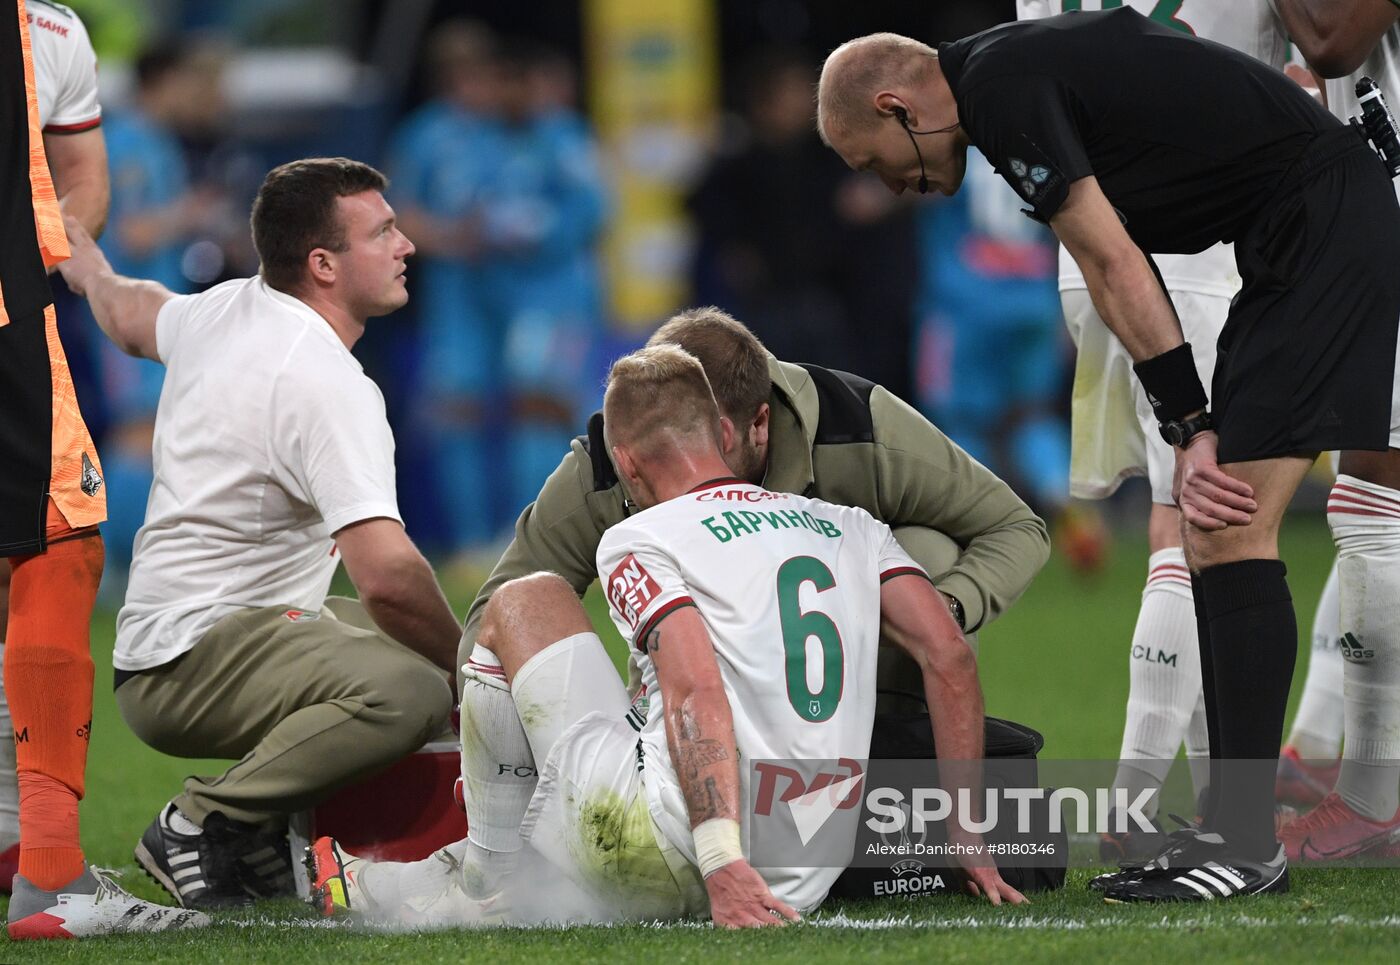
(1188, 138)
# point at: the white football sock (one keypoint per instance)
(1164, 677)
(498, 768)
(181, 823)
(420, 893)
(1317, 727)
(9, 782)
(1365, 521)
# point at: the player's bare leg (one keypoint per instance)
(1364, 809)
(529, 614)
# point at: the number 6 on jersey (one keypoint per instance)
(798, 629)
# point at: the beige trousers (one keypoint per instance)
(306, 702)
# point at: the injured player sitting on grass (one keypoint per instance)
(638, 805)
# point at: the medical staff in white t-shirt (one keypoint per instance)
(273, 462)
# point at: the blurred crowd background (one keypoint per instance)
(572, 172)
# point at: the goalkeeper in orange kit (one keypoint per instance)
(51, 500)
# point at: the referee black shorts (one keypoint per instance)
(1306, 360)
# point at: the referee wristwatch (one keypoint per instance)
(955, 607)
(1180, 432)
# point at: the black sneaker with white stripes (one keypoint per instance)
(1177, 850)
(180, 861)
(1213, 873)
(224, 864)
(263, 859)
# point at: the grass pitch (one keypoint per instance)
(1057, 662)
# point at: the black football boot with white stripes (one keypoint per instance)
(225, 864)
(1175, 852)
(1206, 870)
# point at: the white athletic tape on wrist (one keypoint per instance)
(717, 843)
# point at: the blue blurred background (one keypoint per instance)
(572, 173)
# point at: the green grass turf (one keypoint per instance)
(1057, 662)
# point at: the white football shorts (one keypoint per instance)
(589, 816)
(1113, 433)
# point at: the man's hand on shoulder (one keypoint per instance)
(740, 898)
(87, 260)
(125, 308)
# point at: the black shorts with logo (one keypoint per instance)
(1306, 360)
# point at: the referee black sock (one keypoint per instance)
(1254, 644)
(1198, 597)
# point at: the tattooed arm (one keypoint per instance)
(699, 723)
(700, 736)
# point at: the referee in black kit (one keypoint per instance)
(1128, 137)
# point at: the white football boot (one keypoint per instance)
(90, 905)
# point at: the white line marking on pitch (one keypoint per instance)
(892, 922)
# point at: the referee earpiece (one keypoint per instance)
(902, 116)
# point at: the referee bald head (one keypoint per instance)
(884, 106)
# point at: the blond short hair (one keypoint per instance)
(858, 69)
(733, 358)
(659, 396)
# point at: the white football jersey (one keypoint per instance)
(1250, 26)
(1382, 66)
(65, 69)
(789, 589)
